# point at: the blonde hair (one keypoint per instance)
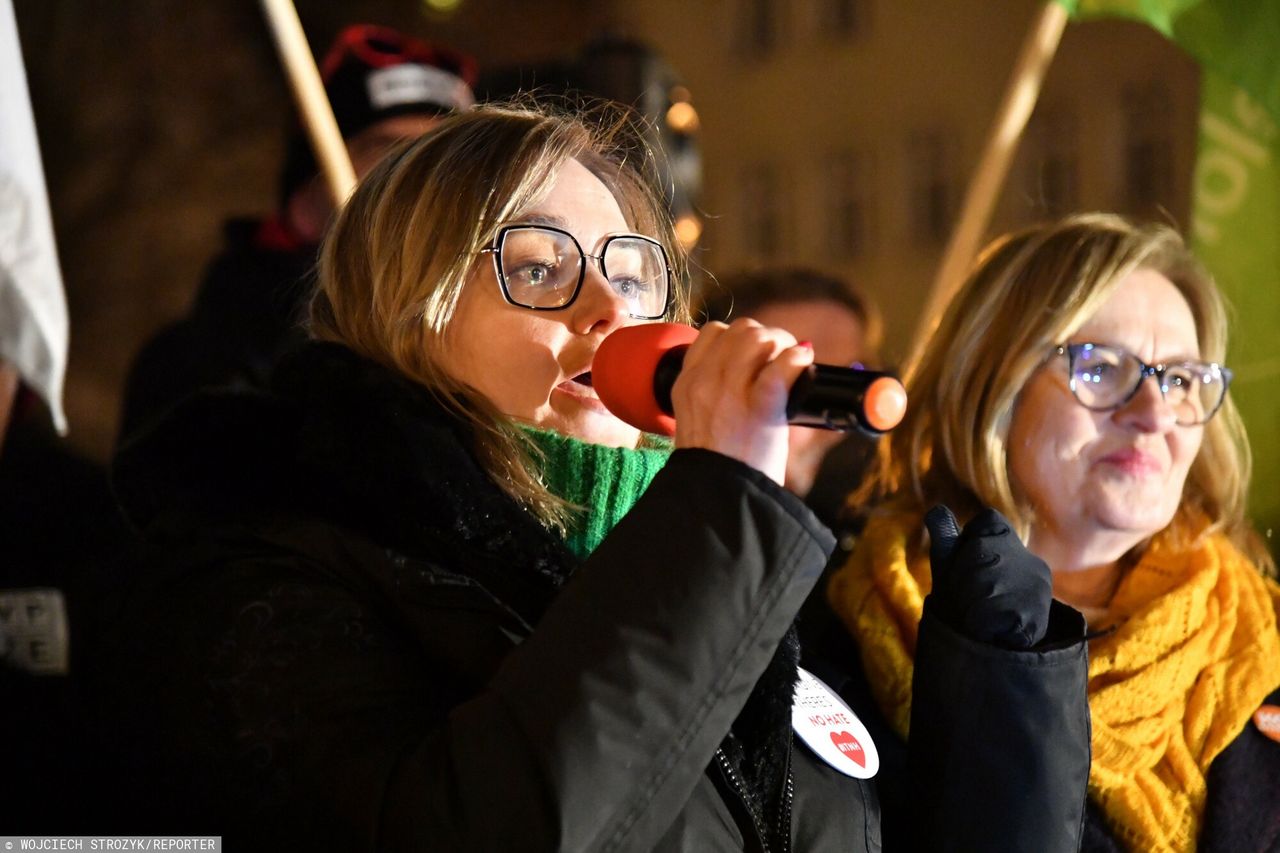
(1028, 292)
(393, 266)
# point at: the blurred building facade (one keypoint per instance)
(159, 120)
(833, 133)
(842, 133)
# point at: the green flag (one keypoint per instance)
(1236, 197)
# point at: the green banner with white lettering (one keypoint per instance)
(1236, 232)
(1236, 197)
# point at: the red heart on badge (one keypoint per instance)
(849, 747)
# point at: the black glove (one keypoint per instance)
(986, 584)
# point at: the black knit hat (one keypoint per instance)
(373, 73)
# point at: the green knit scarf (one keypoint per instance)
(605, 481)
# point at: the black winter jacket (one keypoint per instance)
(1242, 808)
(354, 640)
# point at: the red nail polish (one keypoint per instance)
(805, 344)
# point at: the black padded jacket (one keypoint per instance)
(349, 638)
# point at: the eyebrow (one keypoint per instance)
(535, 218)
(1175, 359)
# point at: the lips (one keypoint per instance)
(580, 388)
(1133, 461)
(580, 384)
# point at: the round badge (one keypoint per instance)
(1267, 719)
(831, 730)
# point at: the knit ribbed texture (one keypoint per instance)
(1195, 651)
(605, 481)
(880, 598)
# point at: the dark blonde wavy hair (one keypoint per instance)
(393, 266)
(1028, 292)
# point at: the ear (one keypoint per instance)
(308, 210)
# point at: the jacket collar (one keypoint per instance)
(345, 440)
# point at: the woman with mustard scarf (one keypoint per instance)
(1033, 398)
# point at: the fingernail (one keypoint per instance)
(805, 344)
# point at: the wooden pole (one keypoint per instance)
(1002, 143)
(309, 95)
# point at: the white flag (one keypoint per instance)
(33, 309)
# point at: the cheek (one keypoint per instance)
(1184, 446)
(492, 350)
(1046, 444)
(512, 368)
(1040, 476)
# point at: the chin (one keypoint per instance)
(1137, 506)
(1141, 523)
(607, 431)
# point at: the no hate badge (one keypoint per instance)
(831, 730)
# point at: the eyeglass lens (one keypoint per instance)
(1105, 377)
(542, 268)
(637, 271)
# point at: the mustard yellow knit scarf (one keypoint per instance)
(1194, 652)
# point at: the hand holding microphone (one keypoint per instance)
(735, 388)
(636, 367)
(731, 393)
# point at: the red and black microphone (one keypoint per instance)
(636, 366)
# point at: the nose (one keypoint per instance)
(1147, 411)
(599, 309)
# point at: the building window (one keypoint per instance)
(1053, 161)
(1148, 148)
(757, 27)
(839, 19)
(847, 205)
(933, 192)
(762, 221)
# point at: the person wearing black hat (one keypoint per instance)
(385, 87)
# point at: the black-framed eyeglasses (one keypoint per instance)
(1104, 378)
(542, 268)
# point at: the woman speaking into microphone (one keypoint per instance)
(429, 594)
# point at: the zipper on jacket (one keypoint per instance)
(784, 808)
(788, 796)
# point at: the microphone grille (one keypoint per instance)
(623, 369)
